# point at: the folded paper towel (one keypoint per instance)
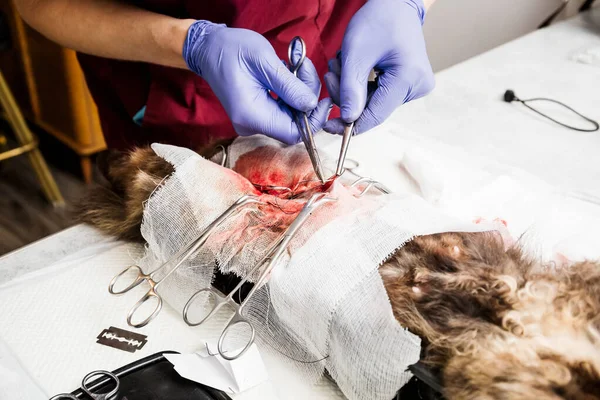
(207, 367)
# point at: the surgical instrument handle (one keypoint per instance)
(281, 245)
(273, 255)
(150, 294)
(305, 130)
(141, 277)
(88, 391)
(181, 256)
(100, 396)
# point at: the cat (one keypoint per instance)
(495, 324)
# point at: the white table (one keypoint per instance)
(466, 107)
(465, 110)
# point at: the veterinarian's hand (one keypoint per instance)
(241, 67)
(385, 35)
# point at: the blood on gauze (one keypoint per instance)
(242, 183)
(480, 220)
(283, 178)
(277, 206)
(286, 173)
(200, 190)
(502, 221)
(276, 176)
(268, 166)
(269, 173)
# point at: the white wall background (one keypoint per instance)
(456, 30)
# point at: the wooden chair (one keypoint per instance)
(27, 144)
(51, 90)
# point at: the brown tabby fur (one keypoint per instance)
(495, 324)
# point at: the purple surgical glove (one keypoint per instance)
(385, 35)
(241, 68)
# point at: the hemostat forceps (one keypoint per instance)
(182, 255)
(272, 257)
(349, 130)
(370, 183)
(305, 131)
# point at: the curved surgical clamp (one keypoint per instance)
(272, 256)
(182, 255)
(306, 133)
(349, 129)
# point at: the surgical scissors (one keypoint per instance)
(272, 256)
(109, 376)
(306, 133)
(182, 255)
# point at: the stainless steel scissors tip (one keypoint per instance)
(348, 132)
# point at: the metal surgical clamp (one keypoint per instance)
(182, 255)
(305, 131)
(108, 376)
(272, 256)
(349, 130)
(370, 183)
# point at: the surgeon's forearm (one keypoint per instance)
(108, 28)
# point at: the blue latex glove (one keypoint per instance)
(241, 68)
(385, 35)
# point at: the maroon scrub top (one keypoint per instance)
(181, 109)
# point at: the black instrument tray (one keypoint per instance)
(153, 378)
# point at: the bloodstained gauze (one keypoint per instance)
(285, 173)
(283, 179)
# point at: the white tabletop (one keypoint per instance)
(48, 250)
(466, 107)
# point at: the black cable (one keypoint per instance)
(509, 97)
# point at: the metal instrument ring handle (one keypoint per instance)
(236, 320)
(151, 293)
(100, 396)
(294, 67)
